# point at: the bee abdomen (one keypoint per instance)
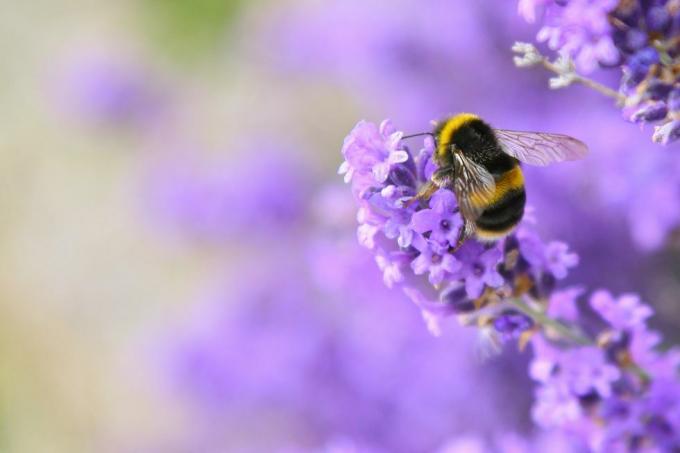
(502, 216)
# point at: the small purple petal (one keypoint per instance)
(425, 220)
(421, 264)
(474, 287)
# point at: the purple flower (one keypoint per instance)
(397, 226)
(555, 257)
(511, 323)
(600, 393)
(391, 266)
(366, 235)
(442, 220)
(110, 91)
(563, 304)
(439, 264)
(667, 133)
(258, 192)
(650, 113)
(636, 37)
(555, 406)
(531, 247)
(569, 378)
(626, 312)
(581, 29)
(559, 259)
(479, 268)
(370, 152)
(528, 8)
(586, 370)
(581, 370)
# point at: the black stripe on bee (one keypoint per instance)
(504, 214)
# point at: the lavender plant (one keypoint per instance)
(641, 38)
(601, 379)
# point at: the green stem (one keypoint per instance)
(640, 373)
(569, 333)
(590, 83)
(544, 320)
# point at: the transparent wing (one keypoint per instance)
(473, 185)
(540, 148)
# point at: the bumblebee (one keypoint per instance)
(481, 165)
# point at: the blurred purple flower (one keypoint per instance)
(511, 324)
(110, 91)
(260, 191)
(338, 356)
(559, 259)
(562, 303)
(396, 61)
(639, 38)
(626, 312)
(528, 9)
(667, 133)
(581, 29)
(603, 394)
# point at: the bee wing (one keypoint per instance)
(540, 148)
(473, 185)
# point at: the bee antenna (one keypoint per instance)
(417, 135)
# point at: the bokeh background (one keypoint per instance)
(179, 265)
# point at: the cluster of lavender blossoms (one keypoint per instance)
(411, 241)
(642, 38)
(601, 380)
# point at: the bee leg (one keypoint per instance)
(442, 177)
(466, 232)
(424, 193)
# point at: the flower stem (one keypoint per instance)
(590, 83)
(570, 334)
(543, 320)
(640, 373)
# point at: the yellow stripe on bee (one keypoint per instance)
(452, 125)
(512, 179)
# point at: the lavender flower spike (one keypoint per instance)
(413, 242)
(610, 390)
(639, 38)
